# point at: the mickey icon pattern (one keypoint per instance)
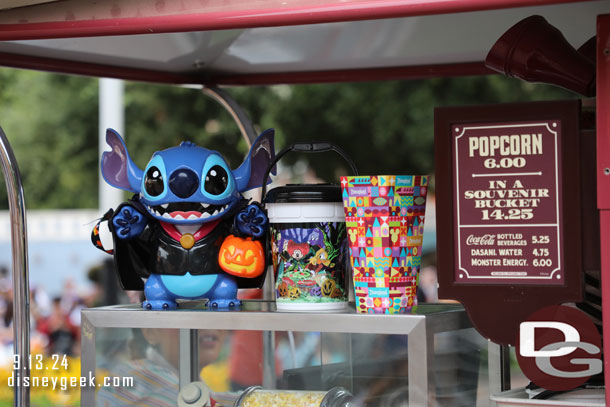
(384, 215)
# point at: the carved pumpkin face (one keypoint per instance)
(283, 289)
(328, 287)
(241, 257)
(294, 293)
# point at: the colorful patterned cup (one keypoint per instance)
(384, 216)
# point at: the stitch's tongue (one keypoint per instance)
(185, 215)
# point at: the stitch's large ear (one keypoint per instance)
(250, 174)
(117, 168)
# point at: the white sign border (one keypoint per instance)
(467, 276)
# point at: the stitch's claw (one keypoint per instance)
(251, 221)
(128, 222)
(159, 305)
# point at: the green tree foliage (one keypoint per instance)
(158, 117)
(386, 127)
(51, 123)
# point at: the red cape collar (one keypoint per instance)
(203, 231)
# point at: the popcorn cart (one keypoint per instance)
(389, 360)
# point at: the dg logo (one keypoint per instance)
(559, 348)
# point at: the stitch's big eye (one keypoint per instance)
(153, 181)
(216, 180)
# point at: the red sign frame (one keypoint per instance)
(508, 210)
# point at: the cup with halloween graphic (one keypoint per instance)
(308, 239)
(384, 216)
(308, 247)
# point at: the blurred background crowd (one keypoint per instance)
(55, 318)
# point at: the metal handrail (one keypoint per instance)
(21, 292)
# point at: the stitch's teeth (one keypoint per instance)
(164, 206)
(205, 205)
(157, 213)
(193, 217)
(215, 212)
(179, 217)
(166, 215)
(205, 215)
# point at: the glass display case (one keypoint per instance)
(424, 358)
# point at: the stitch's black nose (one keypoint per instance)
(183, 182)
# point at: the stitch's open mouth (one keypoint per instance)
(187, 210)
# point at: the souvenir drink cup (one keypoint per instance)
(384, 216)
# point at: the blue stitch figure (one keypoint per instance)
(187, 201)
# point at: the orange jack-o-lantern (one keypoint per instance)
(283, 289)
(241, 257)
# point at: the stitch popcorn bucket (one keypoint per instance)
(384, 216)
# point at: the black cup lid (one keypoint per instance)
(293, 193)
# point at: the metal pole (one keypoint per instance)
(21, 286)
(112, 114)
(188, 369)
(498, 362)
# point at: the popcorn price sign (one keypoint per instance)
(508, 199)
(511, 182)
